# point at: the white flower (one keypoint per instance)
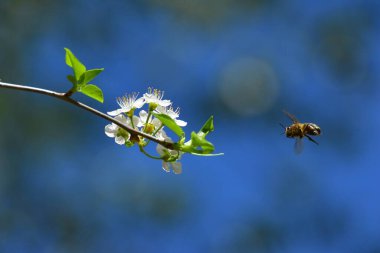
(172, 114)
(176, 166)
(154, 96)
(152, 123)
(114, 131)
(161, 135)
(128, 103)
(166, 153)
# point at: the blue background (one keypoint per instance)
(66, 187)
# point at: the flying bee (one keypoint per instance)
(299, 130)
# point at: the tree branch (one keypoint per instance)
(65, 97)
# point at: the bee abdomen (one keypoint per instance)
(294, 131)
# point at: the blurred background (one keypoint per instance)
(66, 187)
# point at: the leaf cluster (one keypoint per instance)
(82, 77)
(198, 144)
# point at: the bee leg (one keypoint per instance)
(311, 139)
(283, 128)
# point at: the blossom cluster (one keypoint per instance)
(146, 122)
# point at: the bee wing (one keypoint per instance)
(291, 116)
(298, 146)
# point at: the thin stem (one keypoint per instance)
(68, 99)
(133, 124)
(147, 120)
(69, 92)
(158, 129)
(148, 155)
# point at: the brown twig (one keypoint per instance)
(65, 97)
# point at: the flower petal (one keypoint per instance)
(143, 116)
(120, 140)
(160, 109)
(136, 121)
(121, 119)
(115, 113)
(180, 122)
(110, 130)
(139, 102)
(177, 167)
(164, 102)
(166, 166)
(163, 136)
(156, 122)
(160, 149)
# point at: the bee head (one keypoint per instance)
(288, 132)
(313, 129)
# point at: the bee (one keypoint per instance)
(299, 130)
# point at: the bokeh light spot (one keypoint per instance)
(248, 86)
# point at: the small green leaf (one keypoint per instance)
(67, 58)
(81, 81)
(71, 79)
(208, 126)
(89, 75)
(170, 123)
(93, 91)
(198, 145)
(75, 64)
(199, 141)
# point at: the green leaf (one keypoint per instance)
(93, 91)
(67, 57)
(170, 123)
(199, 141)
(89, 75)
(72, 79)
(75, 64)
(81, 81)
(198, 145)
(208, 126)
